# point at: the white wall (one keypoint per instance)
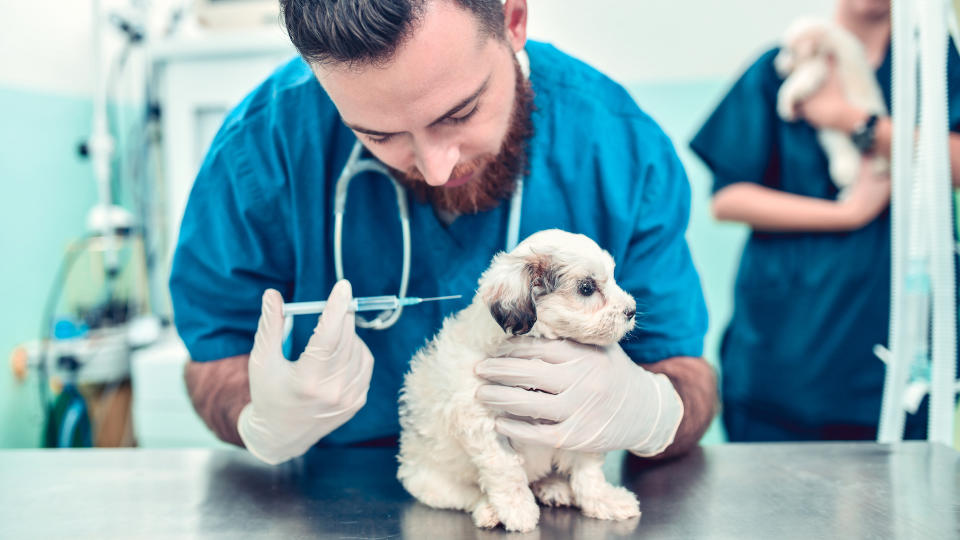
(48, 48)
(650, 40)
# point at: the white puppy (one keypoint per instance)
(554, 285)
(804, 61)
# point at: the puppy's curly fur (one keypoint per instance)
(804, 59)
(554, 285)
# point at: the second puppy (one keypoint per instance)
(804, 60)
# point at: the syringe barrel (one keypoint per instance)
(369, 303)
(303, 308)
(376, 303)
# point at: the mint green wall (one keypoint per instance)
(680, 108)
(45, 191)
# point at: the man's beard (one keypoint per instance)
(497, 175)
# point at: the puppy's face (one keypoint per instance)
(558, 285)
(806, 40)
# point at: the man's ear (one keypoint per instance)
(510, 288)
(515, 23)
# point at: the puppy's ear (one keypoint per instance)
(511, 286)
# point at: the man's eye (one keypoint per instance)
(379, 140)
(464, 118)
(587, 287)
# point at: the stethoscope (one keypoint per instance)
(357, 165)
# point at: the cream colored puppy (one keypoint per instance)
(804, 61)
(553, 285)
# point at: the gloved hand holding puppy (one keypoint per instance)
(572, 396)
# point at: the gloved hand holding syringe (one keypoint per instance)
(293, 404)
(367, 303)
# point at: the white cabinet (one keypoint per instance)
(163, 416)
(199, 79)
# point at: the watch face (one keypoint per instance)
(864, 135)
(858, 139)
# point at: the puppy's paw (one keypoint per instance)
(844, 169)
(518, 513)
(610, 503)
(786, 107)
(521, 519)
(484, 516)
(553, 491)
(784, 63)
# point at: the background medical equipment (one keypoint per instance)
(96, 313)
(367, 303)
(82, 356)
(923, 294)
(197, 75)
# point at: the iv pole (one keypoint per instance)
(923, 289)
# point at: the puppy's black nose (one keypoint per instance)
(630, 312)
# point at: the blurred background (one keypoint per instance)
(158, 77)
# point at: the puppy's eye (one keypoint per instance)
(586, 287)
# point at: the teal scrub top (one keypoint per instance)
(808, 307)
(261, 215)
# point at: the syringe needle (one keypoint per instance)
(451, 297)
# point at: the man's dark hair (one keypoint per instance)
(368, 31)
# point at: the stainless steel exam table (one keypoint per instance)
(765, 491)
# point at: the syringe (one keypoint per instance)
(367, 303)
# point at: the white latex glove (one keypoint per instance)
(295, 404)
(579, 397)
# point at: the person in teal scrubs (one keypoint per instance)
(456, 128)
(812, 296)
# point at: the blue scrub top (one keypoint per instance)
(261, 215)
(809, 307)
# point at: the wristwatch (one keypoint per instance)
(865, 135)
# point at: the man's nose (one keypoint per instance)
(436, 160)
